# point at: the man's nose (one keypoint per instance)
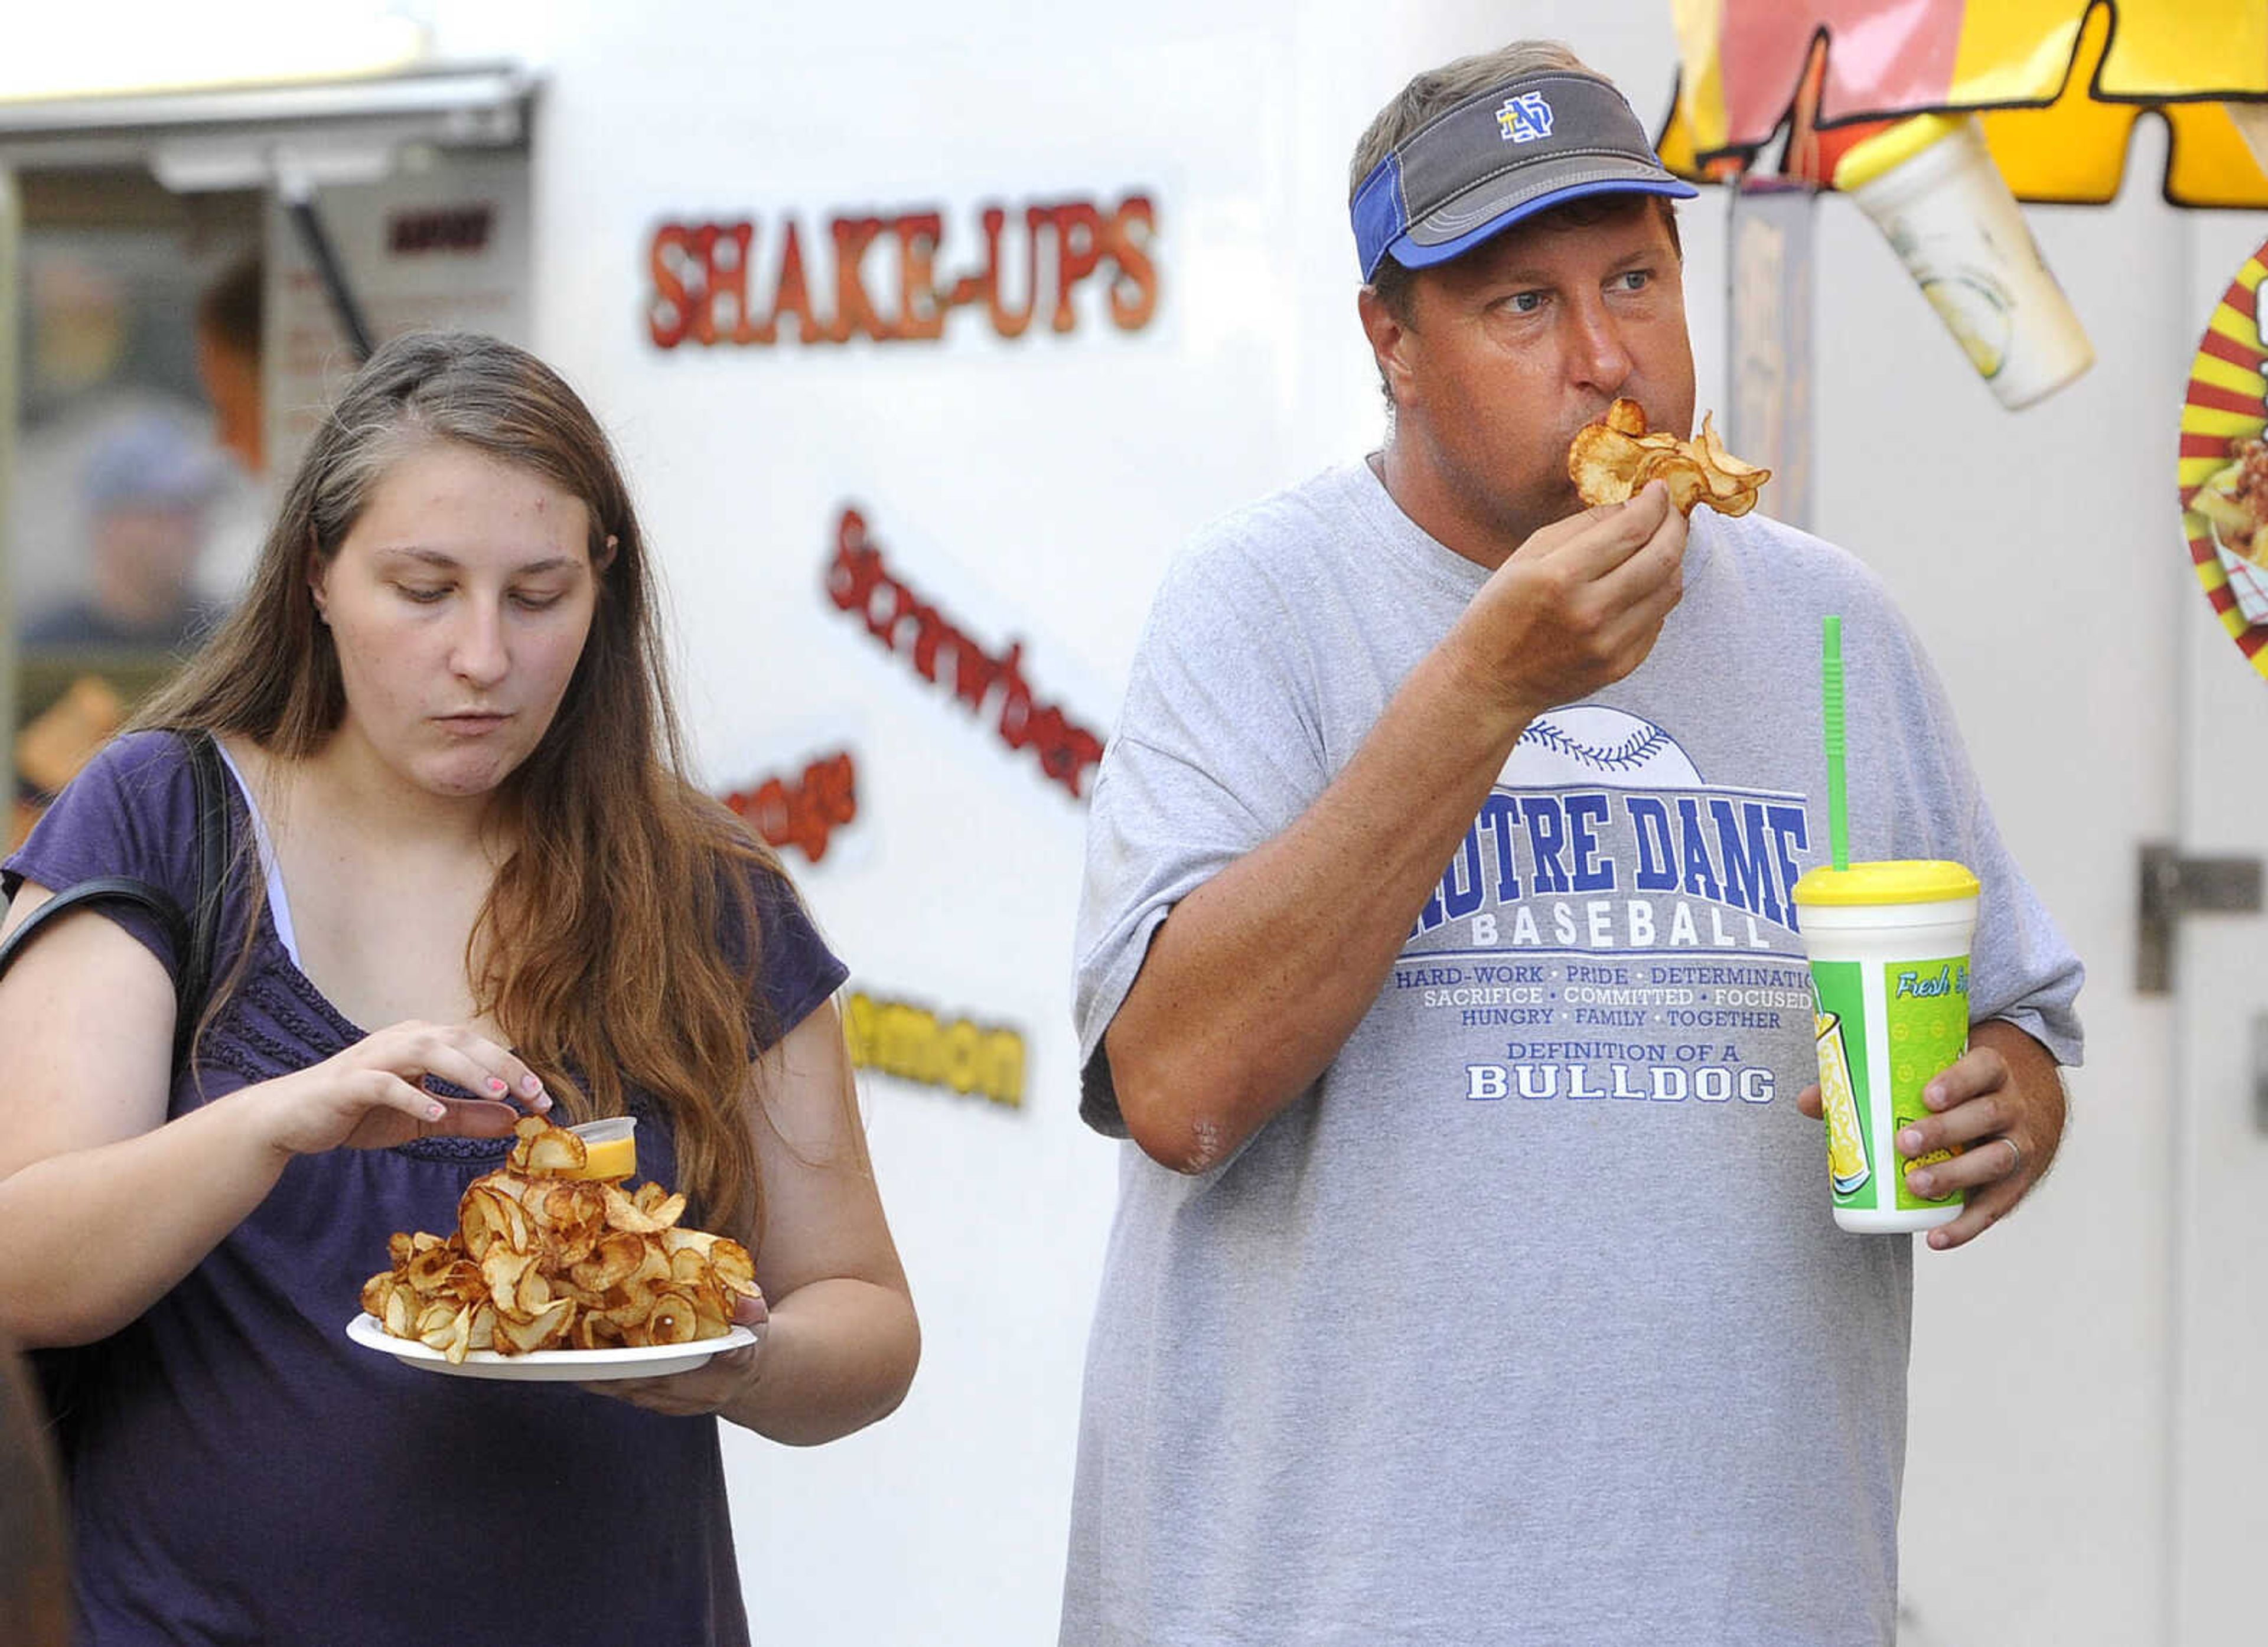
(477, 652)
(1598, 356)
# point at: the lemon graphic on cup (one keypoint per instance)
(1975, 310)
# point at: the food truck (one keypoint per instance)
(927, 337)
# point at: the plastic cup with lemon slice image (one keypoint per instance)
(1888, 946)
(1930, 185)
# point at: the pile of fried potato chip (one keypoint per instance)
(540, 1260)
(1611, 461)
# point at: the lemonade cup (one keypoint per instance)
(1888, 944)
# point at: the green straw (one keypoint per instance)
(1831, 692)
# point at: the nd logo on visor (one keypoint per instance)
(1525, 118)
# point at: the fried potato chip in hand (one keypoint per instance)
(1611, 461)
(543, 1260)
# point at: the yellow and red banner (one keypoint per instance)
(2060, 83)
(2224, 460)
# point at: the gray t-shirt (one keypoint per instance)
(1528, 1324)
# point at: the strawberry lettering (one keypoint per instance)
(992, 689)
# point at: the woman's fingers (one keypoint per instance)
(393, 1092)
(464, 1058)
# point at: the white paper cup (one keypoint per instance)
(1930, 185)
(1888, 946)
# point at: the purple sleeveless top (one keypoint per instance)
(242, 1472)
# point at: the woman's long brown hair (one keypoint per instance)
(619, 939)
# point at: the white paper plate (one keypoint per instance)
(557, 1366)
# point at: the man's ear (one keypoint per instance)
(1392, 343)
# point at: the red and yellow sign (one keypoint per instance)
(2224, 463)
(2062, 83)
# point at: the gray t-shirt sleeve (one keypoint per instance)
(1214, 754)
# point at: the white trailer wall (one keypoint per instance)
(1035, 489)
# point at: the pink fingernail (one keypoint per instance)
(497, 1086)
(532, 1085)
(434, 1112)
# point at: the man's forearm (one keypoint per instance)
(1257, 977)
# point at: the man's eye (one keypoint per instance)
(1524, 302)
(1634, 279)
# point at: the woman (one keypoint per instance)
(461, 812)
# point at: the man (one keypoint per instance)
(1474, 1280)
(147, 487)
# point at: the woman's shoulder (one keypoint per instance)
(795, 967)
(138, 785)
(154, 754)
(131, 810)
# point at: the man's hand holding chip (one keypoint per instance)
(1576, 608)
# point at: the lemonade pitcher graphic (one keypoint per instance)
(1847, 1166)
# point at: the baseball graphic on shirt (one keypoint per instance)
(1590, 744)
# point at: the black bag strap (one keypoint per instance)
(195, 981)
(195, 935)
(65, 1374)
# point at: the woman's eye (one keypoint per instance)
(535, 603)
(423, 595)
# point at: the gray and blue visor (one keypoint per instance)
(1519, 148)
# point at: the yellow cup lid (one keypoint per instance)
(1868, 158)
(1894, 880)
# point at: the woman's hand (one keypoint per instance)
(371, 1096)
(710, 1387)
